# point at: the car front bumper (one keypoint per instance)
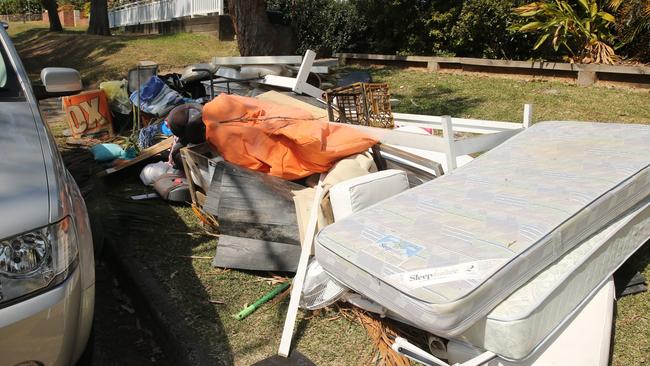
(49, 328)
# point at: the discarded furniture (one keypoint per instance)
(366, 104)
(464, 257)
(298, 84)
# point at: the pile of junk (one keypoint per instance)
(496, 241)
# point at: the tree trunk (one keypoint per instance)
(256, 36)
(98, 22)
(53, 15)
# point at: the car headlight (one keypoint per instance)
(37, 260)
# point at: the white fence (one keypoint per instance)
(143, 12)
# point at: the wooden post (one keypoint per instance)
(299, 279)
(448, 135)
(342, 60)
(528, 115)
(587, 78)
(433, 66)
(303, 72)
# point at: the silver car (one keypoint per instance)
(47, 269)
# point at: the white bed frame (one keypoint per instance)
(490, 135)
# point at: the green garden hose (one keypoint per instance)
(271, 294)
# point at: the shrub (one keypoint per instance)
(579, 29)
(484, 29)
(324, 26)
(395, 26)
(633, 27)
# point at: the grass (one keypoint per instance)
(109, 58)
(491, 97)
(160, 235)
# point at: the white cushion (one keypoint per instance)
(355, 194)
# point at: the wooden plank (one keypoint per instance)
(256, 255)
(459, 124)
(279, 81)
(257, 60)
(414, 160)
(301, 271)
(291, 83)
(483, 143)
(298, 84)
(314, 69)
(448, 136)
(528, 115)
(252, 204)
(393, 137)
(532, 65)
(540, 65)
(303, 72)
(144, 155)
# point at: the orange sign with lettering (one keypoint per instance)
(88, 114)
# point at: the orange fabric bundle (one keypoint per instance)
(282, 141)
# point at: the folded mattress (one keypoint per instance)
(525, 319)
(444, 254)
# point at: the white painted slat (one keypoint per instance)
(298, 84)
(408, 139)
(459, 124)
(450, 149)
(483, 142)
(303, 72)
(257, 60)
(301, 271)
(528, 115)
(279, 81)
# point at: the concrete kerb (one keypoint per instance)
(177, 339)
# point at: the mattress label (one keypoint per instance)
(459, 272)
(401, 247)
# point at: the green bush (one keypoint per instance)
(395, 26)
(633, 27)
(467, 28)
(580, 30)
(324, 26)
(442, 19)
(483, 30)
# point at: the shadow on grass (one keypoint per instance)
(423, 99)
(39, 48)
(151, 235)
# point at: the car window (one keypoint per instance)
(9, 86)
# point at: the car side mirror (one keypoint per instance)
(58, 82)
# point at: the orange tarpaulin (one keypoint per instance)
(279, 140)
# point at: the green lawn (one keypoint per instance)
(160, 235)
(107, 58)
(502, 99)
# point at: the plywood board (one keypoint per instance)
(256, 255)
(252, 204)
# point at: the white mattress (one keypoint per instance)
(518, 325)
(442, 255)
(584, 340)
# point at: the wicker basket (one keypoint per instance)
(366, 104)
